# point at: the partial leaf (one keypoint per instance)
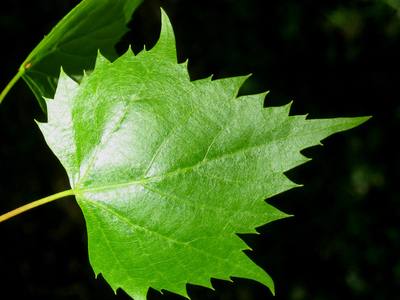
(168, 171)
(74, 41)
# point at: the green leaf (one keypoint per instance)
(168, 171)
(74, 41)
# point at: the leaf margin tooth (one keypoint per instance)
(101, 60)
(166, 44)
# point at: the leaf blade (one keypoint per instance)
(167, 171)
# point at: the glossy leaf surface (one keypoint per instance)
(168, 171)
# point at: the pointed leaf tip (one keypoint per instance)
(166, 45)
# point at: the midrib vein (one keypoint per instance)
(79, 189)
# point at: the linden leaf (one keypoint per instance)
(73, 43)
(168, 171)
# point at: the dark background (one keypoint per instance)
(334, 58)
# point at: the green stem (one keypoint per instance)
(34, 204)
(13, 81)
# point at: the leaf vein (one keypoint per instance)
(167, 238)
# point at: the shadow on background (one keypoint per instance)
(334, 59)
